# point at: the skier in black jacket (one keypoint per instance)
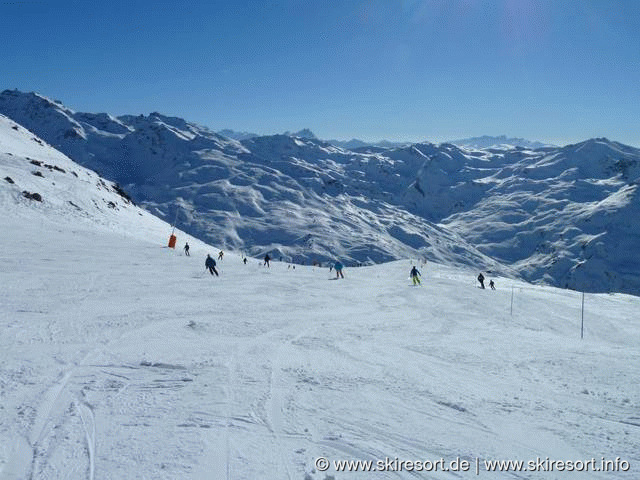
(414, 274)
(210, 264)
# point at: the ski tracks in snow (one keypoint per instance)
(228, 415)
(273, 419)
(275, 402)
(57, 403)
(28, 452)
(266, 409)
(89, 425)
(49, 414)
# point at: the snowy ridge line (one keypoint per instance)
(558, 215)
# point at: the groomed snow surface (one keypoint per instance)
(121, 359)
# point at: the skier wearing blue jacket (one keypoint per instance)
(338, 266)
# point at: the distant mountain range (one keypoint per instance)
(237, 135)
(567, 216)
(497, 142)
(355, 144)
(304, 133)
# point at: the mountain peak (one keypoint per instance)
(305, 133)
(31, 100)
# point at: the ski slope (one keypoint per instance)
(120, 358)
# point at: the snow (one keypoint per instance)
(520, 210)
(121, 358)
(499, 142)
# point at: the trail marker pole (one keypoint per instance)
(512, 300)
(582, 324)
(175, 220)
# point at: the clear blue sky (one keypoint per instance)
(550, 70)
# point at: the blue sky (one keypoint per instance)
(555, 71)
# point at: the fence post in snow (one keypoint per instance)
(582, 324)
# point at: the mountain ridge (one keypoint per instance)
(488, 141)
(559, 215)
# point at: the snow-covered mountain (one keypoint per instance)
(487, 141)
(355, 144)
(569, 215)
(236, 135)
(121, 358)
(34, 174)
(563, 215)
(305, 134)
(300, 199)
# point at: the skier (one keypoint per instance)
(210, 264)
(481, 280)
(414, 275)
(186, 249)
(245, 260)
(220, 255)
(266, 260)
(338, 266)
(492, 285)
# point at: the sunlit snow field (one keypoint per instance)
(121, 358)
